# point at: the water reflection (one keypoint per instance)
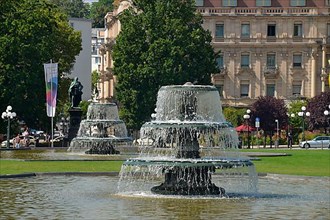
(78, 197)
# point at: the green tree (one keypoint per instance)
(234, 115)
(160, 43)
(32, 33)
(73, 8)
(98, 10)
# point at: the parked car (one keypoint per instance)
(317, 142)
(4, 143)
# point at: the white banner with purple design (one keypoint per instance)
(51, 80)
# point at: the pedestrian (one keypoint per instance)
(17, 141)
(289, 140)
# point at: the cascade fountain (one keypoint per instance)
(187, 141)
(102, 132)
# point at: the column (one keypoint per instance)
(313, 74)
(324, 65)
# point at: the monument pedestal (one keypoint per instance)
(75, 119)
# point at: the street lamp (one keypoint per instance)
(327, 113)
(303, 114)
(247, 117)
(8, 115)
(277, 133)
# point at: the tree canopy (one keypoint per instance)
(316, 106)
(98, 10)
(268, 109)
(160, 43)
(32, 33)
(73, 8)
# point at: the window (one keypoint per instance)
(245, 89)
(271, 60)
(297, 60)
(327, 2)
(199, 2)
(297, 3)
(271, 30)
(297, 30)
(264, 3)
(97, 60)
(296, 89)
(245, 60)
(219, 31)
(220, 89)
(270, 90)
(328, 28)
(219, 61)
(228, 3)
(245, 30)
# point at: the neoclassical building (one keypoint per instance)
(278, 48)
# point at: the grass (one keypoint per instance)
(19, 166)
(301, 162)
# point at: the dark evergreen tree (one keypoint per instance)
(161, 43)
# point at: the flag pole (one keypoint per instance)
(52, 118)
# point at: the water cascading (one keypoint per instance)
(102, 132)
(187, 141)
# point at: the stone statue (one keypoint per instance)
(75, 92)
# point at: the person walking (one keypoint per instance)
(290, 141)
(17, 141)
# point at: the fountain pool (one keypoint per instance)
(96, 197)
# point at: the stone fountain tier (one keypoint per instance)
(189, 103)
(106, 145)
(189, 139)
(187, 176)
(101, 132)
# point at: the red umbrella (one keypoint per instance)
(244, 127)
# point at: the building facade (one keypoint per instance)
(97, 40)
(82, 66)
(278, 48)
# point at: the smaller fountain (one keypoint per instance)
(102, 132)
(186, 143)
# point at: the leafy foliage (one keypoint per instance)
(160, 43)
(268, 109)
(73, 8)
(32, 33)
(316, 106)
(98, 10)
(234, 115)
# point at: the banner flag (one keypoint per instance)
(51, 80)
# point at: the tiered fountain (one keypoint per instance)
(187, 141)
(102, 132)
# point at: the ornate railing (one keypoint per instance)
(263, 11)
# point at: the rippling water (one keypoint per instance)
(95, 197)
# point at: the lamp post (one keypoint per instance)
(327, 113)
(247, 117)
(277, 133)
(8, 114)
(303, 114)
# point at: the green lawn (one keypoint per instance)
(19, 166)
(301, 162)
